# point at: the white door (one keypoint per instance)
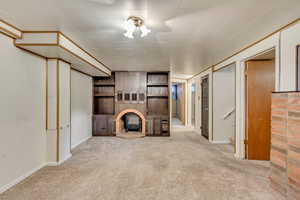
(64, 110)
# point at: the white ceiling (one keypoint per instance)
(187, 35)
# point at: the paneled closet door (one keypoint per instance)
(64, 110)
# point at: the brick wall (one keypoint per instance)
(285, 148)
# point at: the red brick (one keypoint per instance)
(294, 132)
(282, 188)
(293, 155)
(293, 172)
(294, 101)
(293, 142)
(278, 158)
(279, 100)
(279, 112)
(279, 143)
(293, 122)
(293, 107)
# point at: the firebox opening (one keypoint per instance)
(131, 122)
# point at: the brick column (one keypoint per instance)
(278, 175)
(293, 137)
(285, 149)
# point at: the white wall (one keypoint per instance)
(224, 104)
(81, 107)
(284, 43)
(290, 38)
(197, 80)
(22, 113)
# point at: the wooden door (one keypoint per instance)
(205, 107)
(260, 82)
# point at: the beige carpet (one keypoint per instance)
(182, 167)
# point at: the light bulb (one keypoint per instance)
(144, 31)
(129, 34)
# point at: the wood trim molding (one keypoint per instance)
(57, 111)
(47, 92)
(10, 30)
(58, 43)
(251, 45)
(80, 72)
(85, 51)
(215, 70)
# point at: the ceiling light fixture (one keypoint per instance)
(133, 23)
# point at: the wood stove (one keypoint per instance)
(132, 122)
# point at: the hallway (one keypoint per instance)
(184, 167)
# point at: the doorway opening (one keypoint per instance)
(178, 104)
(260, 83)
(193, 105)
(224, 105)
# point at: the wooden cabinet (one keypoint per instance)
(103, 125)
(158, 126)
(147, 92)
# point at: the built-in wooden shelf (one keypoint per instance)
(104, 85)
(157, 96)
(104, 95)
(157, 84)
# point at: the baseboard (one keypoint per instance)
(238, 157)
(80, 142)
(53, 164)
(21, 178)
(221, 142)
(65, 159)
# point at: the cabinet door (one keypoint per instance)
(149, 127)
(157, 126)
(110, 126)
(100, 125)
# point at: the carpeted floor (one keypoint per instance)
(182, 167)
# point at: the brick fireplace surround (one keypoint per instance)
(121, 114)
(285, 149)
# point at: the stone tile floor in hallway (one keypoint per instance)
(182, 167)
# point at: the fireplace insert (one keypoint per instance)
(132, 122)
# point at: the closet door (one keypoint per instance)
(64, 110)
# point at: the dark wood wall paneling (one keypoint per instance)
(147, 92)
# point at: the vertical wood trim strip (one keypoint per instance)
(47, 90)
(57, 110)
